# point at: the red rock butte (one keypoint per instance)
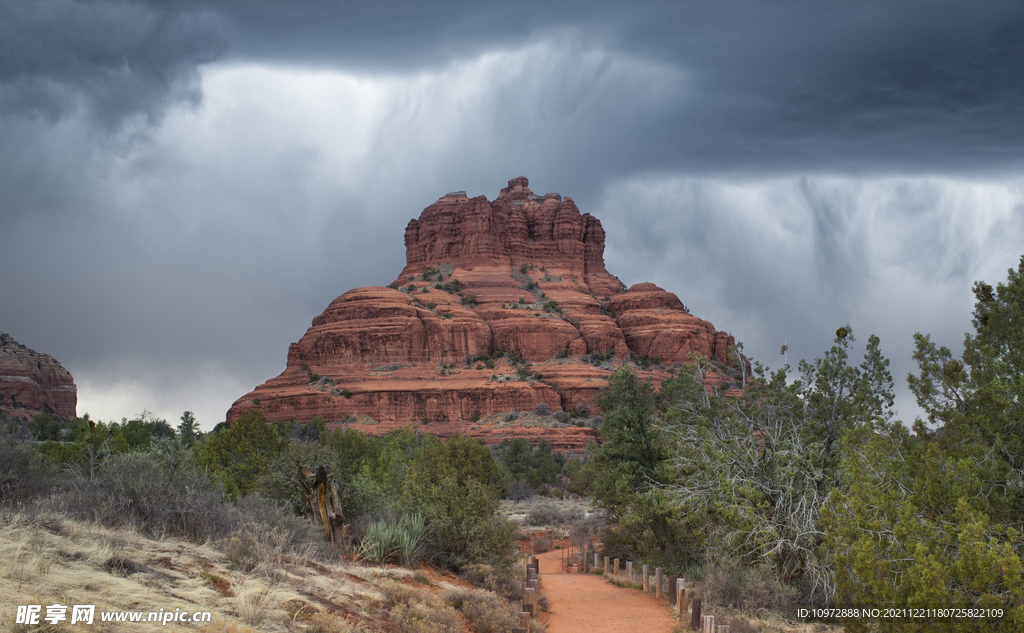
(33, 383)
(502, 307)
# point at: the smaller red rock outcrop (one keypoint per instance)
(33, 383)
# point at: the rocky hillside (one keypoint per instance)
(32, 383)
(502, 306)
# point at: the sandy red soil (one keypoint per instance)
(585, 602)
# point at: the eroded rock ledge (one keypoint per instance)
(33, 383)
(520, 279)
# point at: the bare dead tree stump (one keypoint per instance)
(323, 502)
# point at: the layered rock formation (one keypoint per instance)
(33, 383)
(502, 306)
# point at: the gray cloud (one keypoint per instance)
(115, 59)
(183, 187)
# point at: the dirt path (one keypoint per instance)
(584, 602)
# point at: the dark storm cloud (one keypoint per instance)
(116, 59)
(184, 185)
(866, 86)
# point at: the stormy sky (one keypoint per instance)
(185, 185)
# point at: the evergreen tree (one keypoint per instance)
(932, 519)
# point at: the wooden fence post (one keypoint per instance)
(531, 601)
(616, 571)
(657, 582)
(607, 563)
(681, 597)
(672, 589)
(596, 563)
(695, 618)
(709, 623)
(647, 578)
(524, 621)
(629, 571)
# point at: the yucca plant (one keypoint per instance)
(393, 541)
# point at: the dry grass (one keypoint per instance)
(251, 581)
(49, 558)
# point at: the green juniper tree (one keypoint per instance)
(932, 518)
(756, 470)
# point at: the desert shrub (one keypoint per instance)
(23, 473)
(395, 593)
(418, 611)
(551, 514)
(512, 416)
(542, 544)
(580, 411)
(423, 618)
(542, 408)
(276, 482)
(469, 300)
(485, 611)
(562, 416)
(156, 494)
(506, 580)
(454, 485)
(563, 353)
(238, 456)
(431, 305)
(299, 535)
(751, 588)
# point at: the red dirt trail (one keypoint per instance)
(584, 602)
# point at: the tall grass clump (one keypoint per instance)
(388, 541)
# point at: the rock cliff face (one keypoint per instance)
(502, 306)
(33, 383)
